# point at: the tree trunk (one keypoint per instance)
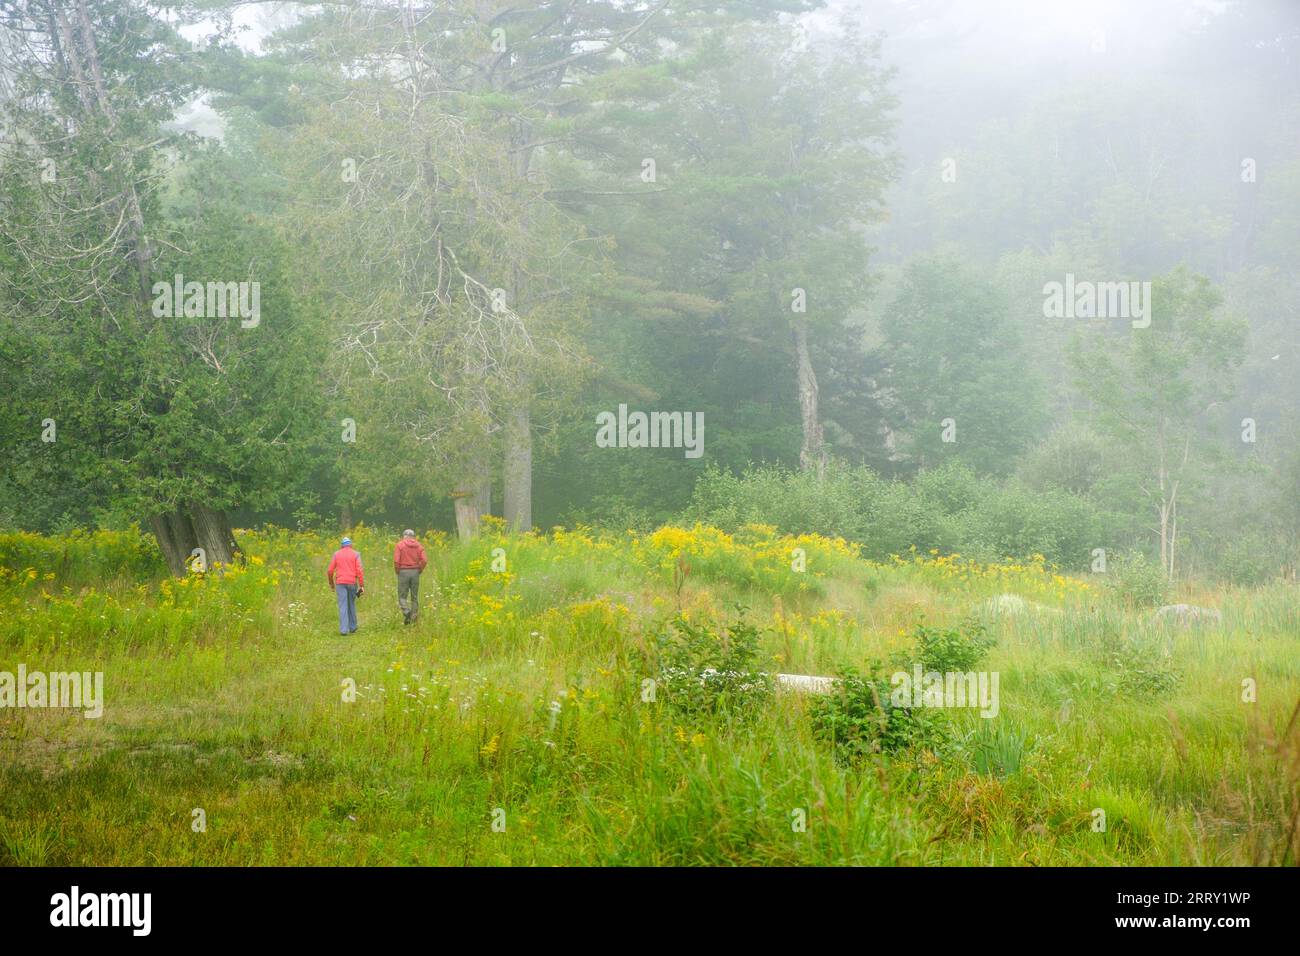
(518, 490)
(180, 532)
(517, 468)
(812, 455)
(467, 514)
(1164, 538)
(483, 494)
(215, 536)
(345, 517)
(129, 199)
(1173, 539)
(176, 540)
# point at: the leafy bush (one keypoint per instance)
(130, 553)
(948, 649)
(794, 502)
(1011, 520)
(710, 669)
(1251, 558)
(858, 719)
(1141, 671)
(950, 508)
(1136, 582)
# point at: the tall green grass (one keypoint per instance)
(523, 692)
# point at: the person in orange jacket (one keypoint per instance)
(348, 580)
(408, 562)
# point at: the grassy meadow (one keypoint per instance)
(512, 725)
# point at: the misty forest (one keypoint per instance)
(740, 366)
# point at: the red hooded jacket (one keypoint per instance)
(409, 554)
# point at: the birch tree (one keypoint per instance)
(1154, 391)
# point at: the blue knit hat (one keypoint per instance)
(346, 542)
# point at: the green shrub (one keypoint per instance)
(949, 649)
(950, 509)
(794, 502)
(1252, 558)
(858, 719)
(1141, 670)
(707, 668)
(1136, 582)
(84, 555)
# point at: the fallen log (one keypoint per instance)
(805, 683)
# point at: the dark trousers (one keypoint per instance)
(408, 594)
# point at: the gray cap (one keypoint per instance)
(408, 533)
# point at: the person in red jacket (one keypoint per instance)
(348, 580)
(408, 562)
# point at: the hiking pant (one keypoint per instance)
(408, 594)
(347, 595)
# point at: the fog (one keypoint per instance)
(709, 433)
